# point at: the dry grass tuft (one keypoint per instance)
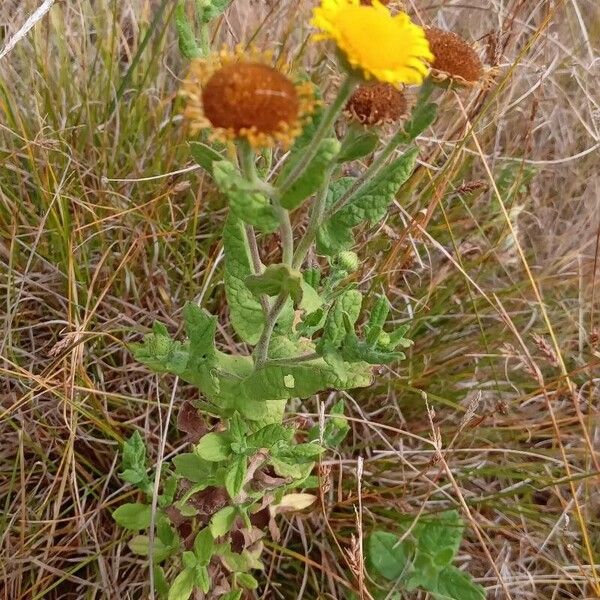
(105, 225)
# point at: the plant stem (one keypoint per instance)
(262, 347)
(316, 218)
(323, 129)
(293, 359)
(257, 265)
(286, 234)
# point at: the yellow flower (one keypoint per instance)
(238, 96)
(388, 48)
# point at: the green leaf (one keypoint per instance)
(236, 477)
(183, 585)
(200, 327)
(237, 428)
(300, 453)
(189, 559)
(371, 204)
(334, 331)
(312, 277)
(193, 468)
(298, 472)
(332, 239)
(214, 447)
(355, 350)
(313, 176)
(277, 279)
(245, 311)
(423, 115)
(377, 319)
(140, 544)
(160, 353)
(204, 546)
(453, 584)
(311, 301)
(233, 595)
(356, 144)
(244, 201)
(439, 536)
(246, 580)
(187, 41)
(222, 521)
(211, 9)
(133, 516)
(204, 155)
(160, 581)
(134, 462)
(270, 435)
(169, 487)
(165, 532)
(202, 578)
(387, 555)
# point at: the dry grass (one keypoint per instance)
(103, 228)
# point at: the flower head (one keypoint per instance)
(455, 59)
(381, 46)
(242, 97)
(377, 103)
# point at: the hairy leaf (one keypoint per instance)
(356, 144)
(277, 279)
(204, 155)
(370, 204)
(334, 331)
(313, 177)
(244, 201)
(211, 9)
(134, 462)
(245, 311)
(187, 41)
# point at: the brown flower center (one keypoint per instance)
(250, 96)
(453, 55)
(377, 103)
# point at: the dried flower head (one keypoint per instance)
(381, 46)
(455, 60)
(240, 97)
(377, 103)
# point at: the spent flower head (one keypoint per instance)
(379, 45)
(244, 97)
(376, 104)
(455, 60)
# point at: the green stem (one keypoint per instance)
(359, 185)
(286, 234)
(316, 218)
(325, 125)
(262, 347)
(257, 265)
(293, 360)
